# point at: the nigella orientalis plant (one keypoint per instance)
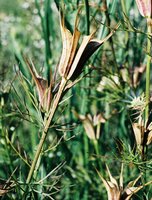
(73, 58)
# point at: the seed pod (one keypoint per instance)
(44, 91)
(73, 58)
(145, 7)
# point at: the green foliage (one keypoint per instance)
(112, 85)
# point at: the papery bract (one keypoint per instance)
(73, 58)
(43, 89)
(144, 7)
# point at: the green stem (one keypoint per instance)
(96, 147)
(148, 72)
(145, 147)
(45, 23)
(87, 17)
(108, 23)
(123, 7)
(45, 131)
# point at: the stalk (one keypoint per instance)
(86, 93)
(45, 130)
(149, 31)
(148, 70)
(87, 16)
(108, 22)
(145, 147)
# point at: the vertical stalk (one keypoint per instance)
(149, 31)
(145, 147)
(85, 94)
(148, 70)
(108, 22)
(45, 130)
(87, 17)
(123, 7)
(87, 82)
(96, 146)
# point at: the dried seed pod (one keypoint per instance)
(117, 192)
(145, 7)
(143, 132)
(70, 43)
(44, 91)
(73, 58)
(90, 124)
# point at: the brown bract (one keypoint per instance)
(71, 63)
(142, 132)
(43, 89)
(116, 191)
(74, 57)
(90, 124)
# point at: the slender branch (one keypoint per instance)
(15, 150)
(45, 130)
(148, 71)
(87, 17)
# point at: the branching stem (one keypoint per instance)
(45, 130)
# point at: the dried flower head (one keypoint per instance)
(73, 58)
(90, 124)
(138, 103)
(111, 83)
(143, 132)
(132, 77)
(116, 191)
(71, 62)
(43, 89)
